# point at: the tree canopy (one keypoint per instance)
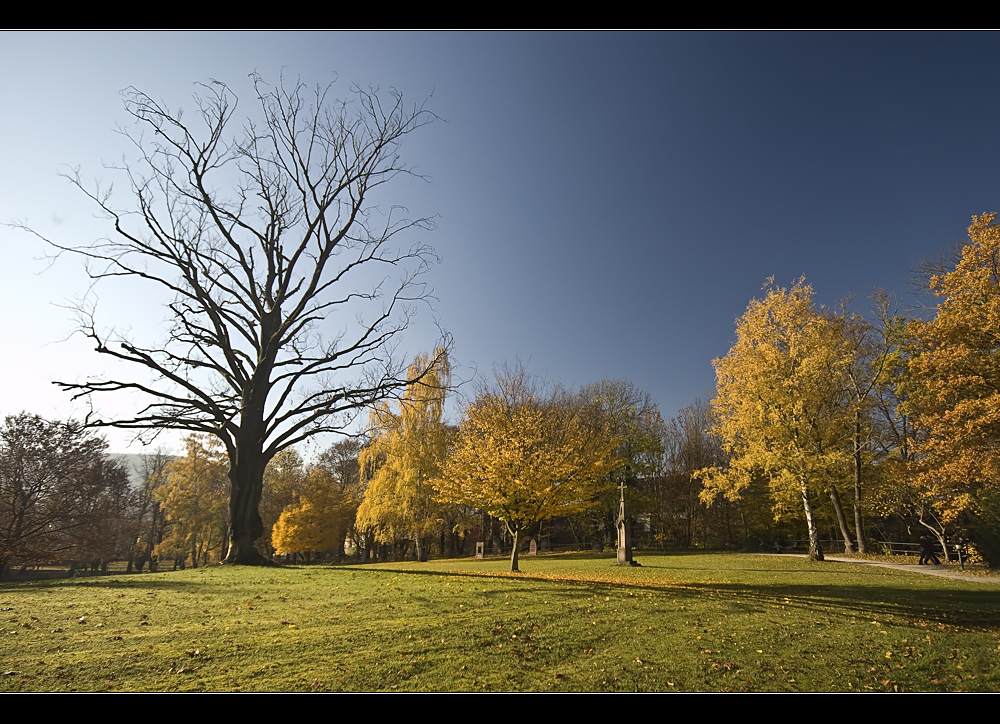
(954, 383)
(193, 497)
(523, 457)
(780, 405)
(59, 493)
(315, 521)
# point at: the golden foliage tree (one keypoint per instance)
(523, 458)
(406, 451)
(315, 521)
(194, 496)
(781, 407)
(954, 384)
(284, 479)
(322, 505)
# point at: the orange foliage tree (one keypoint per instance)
(954, 385)
(781, 408)
(316, 521)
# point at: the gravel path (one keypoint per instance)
(944, 571)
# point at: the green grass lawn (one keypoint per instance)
(682, 622)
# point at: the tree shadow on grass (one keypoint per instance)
(131, 583)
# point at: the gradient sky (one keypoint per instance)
(606, 203)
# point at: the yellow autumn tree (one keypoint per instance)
(524, 458)
(781, 405)
(284, 480)
(194, 496)
(407, 448)
(315, 521)
(954, 382)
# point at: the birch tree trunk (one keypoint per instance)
(859, 524)
(815, 548)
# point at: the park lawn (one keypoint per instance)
(681, 622)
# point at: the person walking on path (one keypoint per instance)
(927, 551)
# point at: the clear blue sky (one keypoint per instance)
(607, 203)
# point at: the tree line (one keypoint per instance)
(903, 414)
(412, 485)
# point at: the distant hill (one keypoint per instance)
(134, 463)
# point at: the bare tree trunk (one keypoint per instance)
(859, 524)
(815, 548)
(841, 519)
(245, 525)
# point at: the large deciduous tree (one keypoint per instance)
(954, 381)
(523, 457)
(781, 407)
(288, 290)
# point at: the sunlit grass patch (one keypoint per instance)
(568, 623)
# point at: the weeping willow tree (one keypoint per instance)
(408, 446)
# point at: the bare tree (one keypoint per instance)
(148, 518)
(253, 274)
(56, 490)
(869, 386)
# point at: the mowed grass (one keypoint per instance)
(682, 622)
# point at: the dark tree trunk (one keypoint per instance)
(246, 481)
(420, 545)
(246, 456)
